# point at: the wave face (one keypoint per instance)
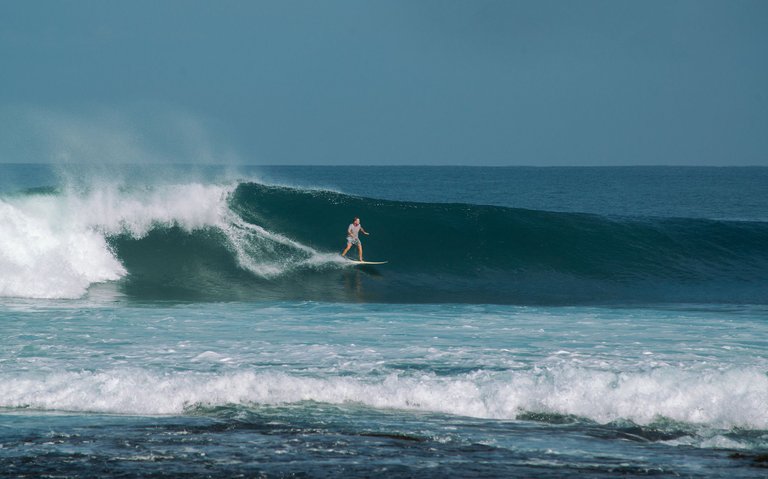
(253, 241)
(471, 253)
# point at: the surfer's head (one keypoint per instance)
(356, 220)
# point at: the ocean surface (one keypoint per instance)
(189, 321)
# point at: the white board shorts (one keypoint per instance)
(351, 241)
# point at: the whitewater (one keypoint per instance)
(205, 325)
(56, 244)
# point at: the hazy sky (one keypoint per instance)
(385, 82)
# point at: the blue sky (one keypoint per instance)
(507, 82)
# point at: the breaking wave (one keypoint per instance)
(248, 240)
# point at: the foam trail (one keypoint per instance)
(250, 242)
(642, 397)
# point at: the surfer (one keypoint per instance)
(352, 238)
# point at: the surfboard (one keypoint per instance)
(368, 262)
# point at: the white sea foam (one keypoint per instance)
(718, 399)
(43, 255)
(55, 245)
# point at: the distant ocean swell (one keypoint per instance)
(253, 241)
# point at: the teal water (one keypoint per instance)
(191, 327)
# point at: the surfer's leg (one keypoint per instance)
(360, 249)
(349, 245)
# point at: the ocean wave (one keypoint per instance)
(254, 241)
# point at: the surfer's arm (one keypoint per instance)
(363, 230)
